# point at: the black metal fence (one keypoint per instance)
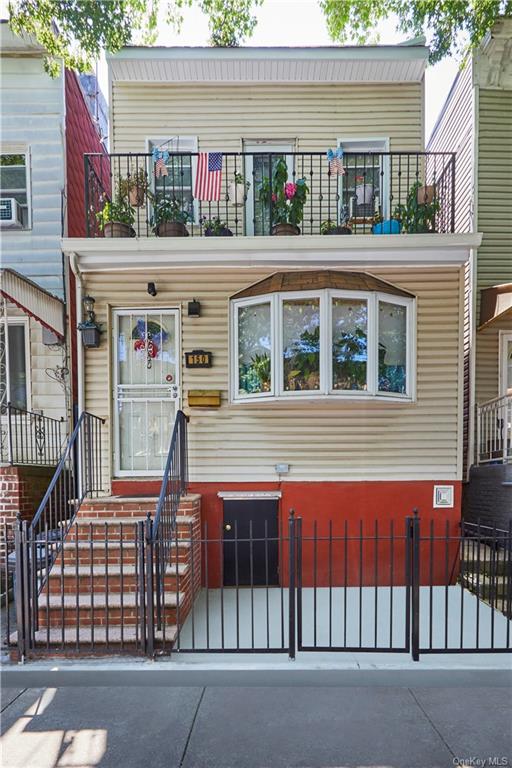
(27, 437)
(379, 192)
(341, 586)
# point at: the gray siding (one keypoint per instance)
(32, 115)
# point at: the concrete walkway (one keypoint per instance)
(327, 727)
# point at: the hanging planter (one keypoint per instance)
(237, 191)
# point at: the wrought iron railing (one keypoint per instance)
(494, 431)
(379, 192)
(27, 437)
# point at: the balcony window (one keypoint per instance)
(15, 373)
(330, 342)
(179, 182)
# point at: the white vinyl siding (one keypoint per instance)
(329, 439)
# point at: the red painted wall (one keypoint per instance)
(330, 506)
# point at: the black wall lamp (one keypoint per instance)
(152, 289)
(194, 308)
(89, 328)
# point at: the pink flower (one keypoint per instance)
(274, 197)
(290, 190)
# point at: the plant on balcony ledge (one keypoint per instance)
(215, 227)
(237, 190)
(169, 218)
(116, 218)
(285, 199)
(417, 217)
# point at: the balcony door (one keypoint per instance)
(505, 364)
(260, 165)
(146, 388)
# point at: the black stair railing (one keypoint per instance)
(161, 531)
(30, 438)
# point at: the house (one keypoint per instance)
(46, 127)
(475, 122)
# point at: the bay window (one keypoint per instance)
(333, 343)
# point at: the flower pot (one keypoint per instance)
(426, 194)
(339, 230)
(285, 229)
(237, 194)
(137, 197)
(224, 232)
(387, 227)
(364, 194)
(171, 229)
(118, 229)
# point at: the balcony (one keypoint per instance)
(494, 431)
(129, 195)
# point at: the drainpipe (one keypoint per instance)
(79, 347)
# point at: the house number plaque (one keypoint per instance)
(198, 358)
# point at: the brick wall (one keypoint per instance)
(21, 490)
(488, 495)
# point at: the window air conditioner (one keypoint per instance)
(10, 213)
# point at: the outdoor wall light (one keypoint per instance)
(194, 308)
(89, 328)
(152, 289)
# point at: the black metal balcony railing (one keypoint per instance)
(31, 438)
(379, 192)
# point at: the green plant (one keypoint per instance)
(214, 226)
(239, 179)
(138, 180)
(261, 367)
(414, 216)
(167, 209)
(302, 362)
(286, 199)
(349, 360)
(118, 210)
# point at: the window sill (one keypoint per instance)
(333, 397)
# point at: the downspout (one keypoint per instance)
(473, 321)
(79, 347)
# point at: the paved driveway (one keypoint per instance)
(158, 727)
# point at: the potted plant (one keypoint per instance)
(237, 190)
(416, 217)
(215, 228)
(116, 218)
(285, 199)
(169, 218)
(329, 227)
(135, 187)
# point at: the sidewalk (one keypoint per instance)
(322, 727)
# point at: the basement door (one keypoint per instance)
(251, 542)
(146, 388)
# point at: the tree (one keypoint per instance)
(76, 31)
(447, 20)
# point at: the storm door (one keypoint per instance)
(146, 388)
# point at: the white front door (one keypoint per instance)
(146, 388)
(258, 167)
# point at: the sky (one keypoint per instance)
(301, 22)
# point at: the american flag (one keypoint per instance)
(208, 176)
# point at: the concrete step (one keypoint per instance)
(128, 636)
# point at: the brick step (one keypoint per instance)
(98, 612)
(99, 599)
(129, 506)
(99, 553)
(127, 527)
(116, 638)
(127, 581)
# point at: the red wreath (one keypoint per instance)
(140, 345)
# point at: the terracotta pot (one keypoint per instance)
(426, 194)
(171, 229)
(285, 229)
(237, 194)
(118, 229)
(137, 197)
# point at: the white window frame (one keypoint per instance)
(172, 145)
(258, 146)
(22, 150)
(357, 144)
(504, 338)
(25, 322)
(325, 295)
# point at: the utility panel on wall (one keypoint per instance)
(443, 496)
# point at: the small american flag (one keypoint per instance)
(208, 176)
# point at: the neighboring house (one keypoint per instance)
(476, 122)
(45, 129)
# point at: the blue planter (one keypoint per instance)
(388, 227)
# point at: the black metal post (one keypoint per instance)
(150, 618)
(291, 585)
(415, 591)
(20, 588)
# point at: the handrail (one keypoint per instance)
(29, 438)
(174, 481)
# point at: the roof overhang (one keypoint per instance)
(493, 58)
(348, 64)
(495, 304)
(33, 300)
(304, 251)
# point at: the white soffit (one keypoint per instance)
(33, 300)
(364, 64)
